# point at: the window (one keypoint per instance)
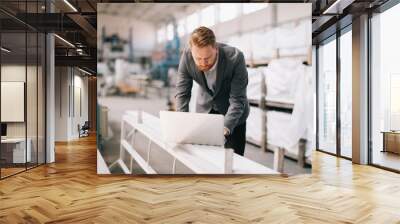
(327, 97)
(208, 16)
(192, 22)
(181, 27)
(346, 94)
(385, 88)
(228, 11)
(161, 35)
(22, 76)
(252, 7)
(170, 31)
(394, 101)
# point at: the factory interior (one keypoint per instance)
(138, 65)
(83, 83)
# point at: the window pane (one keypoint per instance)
(208, 16)
(346, 94)
(252, 7)
(170, 32)
(41, 99)
(394, 101)
(327, 97)
(181, 27)
(13, 84)
(192, 22)
(161, 35)
(385, 89)
(31, 99)
(228, 11)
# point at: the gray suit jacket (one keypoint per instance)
(230, 96)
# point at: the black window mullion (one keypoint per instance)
(338, 98)
(369, 96)
(44, 79)
(37, 89)
(317, 95)
(26, 86)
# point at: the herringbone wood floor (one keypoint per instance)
(69, 191)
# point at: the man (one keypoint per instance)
(220, 71)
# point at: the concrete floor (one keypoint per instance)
(153, 104)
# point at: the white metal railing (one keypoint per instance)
(200, 159)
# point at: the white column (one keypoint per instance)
(50, 109)
(360, 90)
(50, 92)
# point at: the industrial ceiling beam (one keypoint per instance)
(48, 22)
(84, 24)
(78, 61)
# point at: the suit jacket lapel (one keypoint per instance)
(220, 71)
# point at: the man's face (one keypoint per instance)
(204, 57)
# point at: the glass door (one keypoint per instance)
(14, 154)
(327, 96)
(346, 93)
(22, 68)
(385, 90)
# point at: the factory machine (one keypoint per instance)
(122, 74)
(169, 60)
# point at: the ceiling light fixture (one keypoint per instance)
(328, 10)
(86, 72)
(70, 5)
(64, 40)
(5, 50)
(338, 6)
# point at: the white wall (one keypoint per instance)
(33, 126)
(17, 73)
(143, 32)
(68, 81)
(62, 81)
(80, 83)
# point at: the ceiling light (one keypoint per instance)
(70, 5)
(331, 7)
(86, 72)
(338, 6)
(65, 41)
(5, 50)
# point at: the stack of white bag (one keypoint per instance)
(280, 77)
(288, 81)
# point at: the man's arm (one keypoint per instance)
(238, 94)
(183, 86)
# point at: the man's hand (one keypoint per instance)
(226, 131)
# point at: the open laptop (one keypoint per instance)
(192, 128)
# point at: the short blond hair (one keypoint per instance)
(202, 37)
